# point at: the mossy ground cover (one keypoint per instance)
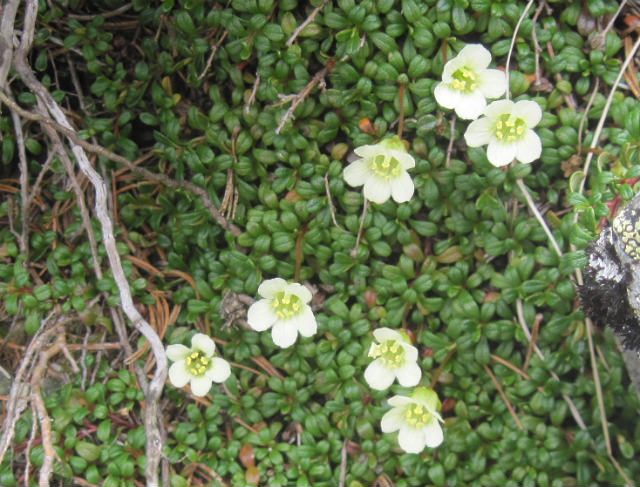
(260, 103)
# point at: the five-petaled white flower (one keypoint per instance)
(394, 357)
(417, 419)
(506, 127)
(383, 171)
(285, 308)
(466, 82)
(197, 365)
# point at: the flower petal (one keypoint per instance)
(177, 352)
(411, 352)
(479, 132)
(428, 398)
(260, 316)
(402, 187)
(219, 371)
(529, 148)
(382, 334)
(391, 421)
(205, 344)
(400, 401)
(299, 290)
(500, 154)
(409, 375)
(498, 107)
(284, 333)
(471, 105)
(178, 374)
(476, 56)
(451, 67)
(270, 287)
(306, 322)
(446, 96)
(377, 190)
(412, 440)
(433, 433)
(200, 386)
(378, 376)
(356, 173)
(529, 111)
(366, 151)
(405, 159)
(492, 83)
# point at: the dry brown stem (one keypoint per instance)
(43, 416)
(296, 100)
(306, 22)
(53, 119)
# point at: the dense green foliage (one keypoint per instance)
(451, 266)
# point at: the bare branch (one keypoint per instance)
(154, 437)
(306, 22)
(300, 97)
(9, 11)
(23, 241)
(43, 416)
(71, 134)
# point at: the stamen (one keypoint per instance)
(464, 79)
(391, 354)
(416, 416)
(287, 305)
(385, 166)
(197, 363)
(510, 129)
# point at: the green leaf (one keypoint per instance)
(88, 451)
(185, 22)
(384, 42)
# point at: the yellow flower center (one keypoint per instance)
(385, 166)
(391, 353)
(197, 363)
(465, 80)
(287, 305)
(510, 130)
(417, 415)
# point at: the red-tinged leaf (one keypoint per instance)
(370, 297)
(292, 196)
(448, 404)
(366, 126)
(252, 476)
(246, 456)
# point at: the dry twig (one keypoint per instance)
(18, 392)
(534, 339)
(306, 22)
(49, 110)
(332, 208)
(513, 42)
(452, 135)
(504, 397)
(45, 421)
(343, 464)
(71, 134)
(300, 97)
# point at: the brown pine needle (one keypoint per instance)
(504, 397)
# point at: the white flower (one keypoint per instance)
(466, 82)
(506, 127)
(197, 365)
(417, 419)
(394, 357)
(284, 308)
(383, 171)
